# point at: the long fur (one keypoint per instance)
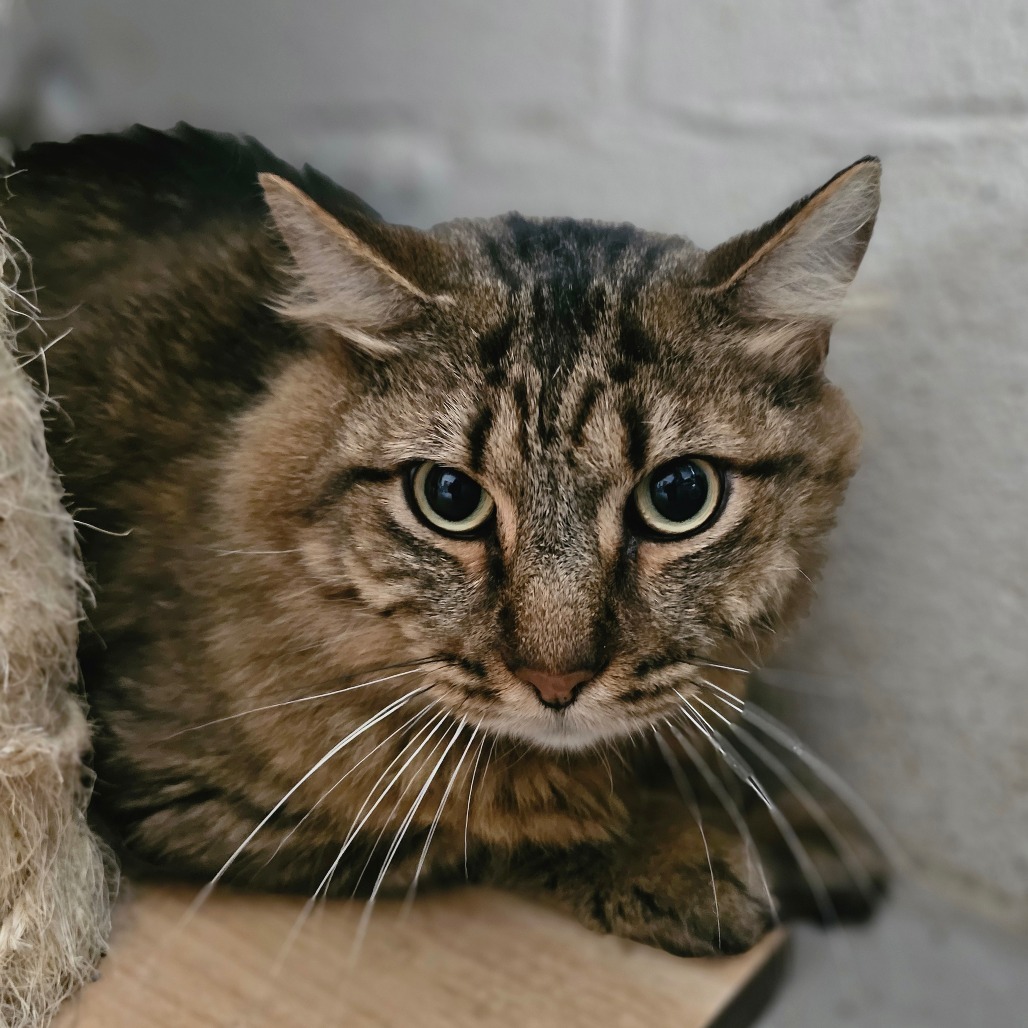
(54, 875)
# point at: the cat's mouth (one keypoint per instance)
(556, 710)
(569, 711)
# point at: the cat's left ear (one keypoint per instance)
(788, 279)
(343, 282)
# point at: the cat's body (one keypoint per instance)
(251, 476)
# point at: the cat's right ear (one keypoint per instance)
(341, 282)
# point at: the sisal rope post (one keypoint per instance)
(56, 879)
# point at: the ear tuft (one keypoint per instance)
(342, 283)
(797, 268)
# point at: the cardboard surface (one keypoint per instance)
(469, 957)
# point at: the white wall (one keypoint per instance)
(706, 118)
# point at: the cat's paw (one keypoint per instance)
(683, 903)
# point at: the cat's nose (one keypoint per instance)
(555, 690)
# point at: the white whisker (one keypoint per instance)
(730, 698)
(250, 553)
(318, 765)
(364, 813)
(847, 855)
(412, 783)
(362, 926)
(689, 797)
(471, 791)
(731, 808)
(301, 919)
(746, 774)
(703, 662)
(435, 821)
(304, 699)
(409, 723)
(871, 822)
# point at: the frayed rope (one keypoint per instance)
(56, 879)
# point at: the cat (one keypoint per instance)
(437, 555)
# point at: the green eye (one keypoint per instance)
(680, 497)
(448, 500)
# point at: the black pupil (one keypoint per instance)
(452, 495)
(679, 491)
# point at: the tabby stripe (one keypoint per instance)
(481, 692)
(410, 606)
(637, 695)
(472, 667)
(426, 551)
(590, 395)
(635, 343)
(717, 555)
(638, 436)
(496, 570)
(494, 346)
(478, 436)
(650, 664)
(341, 483)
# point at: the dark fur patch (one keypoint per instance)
(593, 389)
(478, 437)
(494, 347)
(637, 434)
(341, 483)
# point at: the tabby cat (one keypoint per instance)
(433, 555)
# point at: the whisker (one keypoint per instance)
(250, 553)
(703, 662)
(310, 699)
(741, 768)
(362, 926)
(40, 354)
(471, 792)
(616, 750)
(360, 821)
(323, 886)
(375, 719)
(601, 752)
(689, 797)
(869, 820)
(485, 772)
(388, 819)
(731, 808)
(724, 695)
(103, 531)
(409, 723)
(409, 900)
(847, 854)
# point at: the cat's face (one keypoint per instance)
(573, 462)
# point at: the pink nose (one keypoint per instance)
(554, 690)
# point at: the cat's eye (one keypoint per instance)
(680, 497)
(448, 500)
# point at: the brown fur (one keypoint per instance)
(244, 412)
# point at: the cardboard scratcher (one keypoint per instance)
(467, 958)
(463, 958)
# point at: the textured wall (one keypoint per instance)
(705, 119)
